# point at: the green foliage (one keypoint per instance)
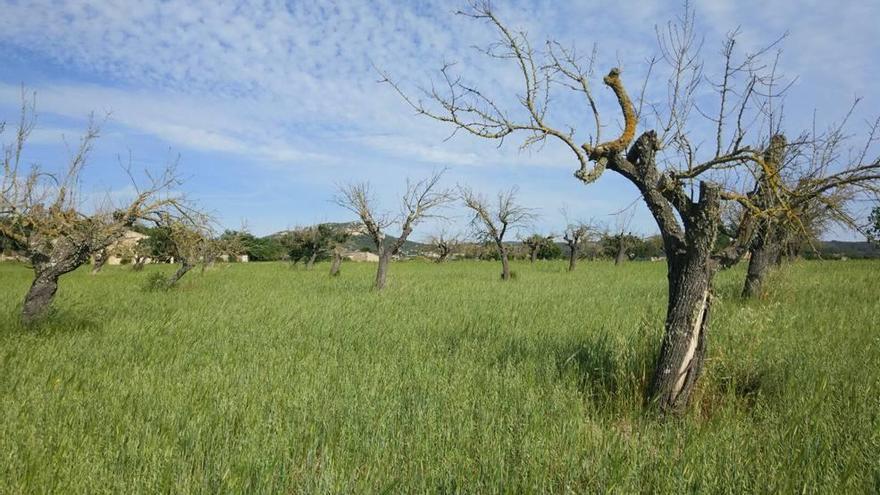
(549, 250)
(635, 246)
(159, 245)
(258, 380)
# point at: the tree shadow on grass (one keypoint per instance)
(55, 321)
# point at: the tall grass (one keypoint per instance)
(258, 378)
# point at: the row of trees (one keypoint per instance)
(721, 180)
(43, 217)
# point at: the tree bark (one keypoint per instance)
(505, 263)
(684, 341)
(621, 253)
(39, 296)
(764, 253)
(311, 262)
(572, 257)
(185, 266)
(533, 254)
(335, 264)
(382, 270)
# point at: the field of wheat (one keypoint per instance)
(252, 378)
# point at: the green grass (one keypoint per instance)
(258, 378)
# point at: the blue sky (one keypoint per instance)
(271, 104)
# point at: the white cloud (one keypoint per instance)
(276, 83)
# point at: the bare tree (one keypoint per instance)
(622, 236)
(41, 212)
(493, 222)
(337, 236)
(575, 235)
(682, 184)
(445, 244)
(420, 200)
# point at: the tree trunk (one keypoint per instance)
(39, 296)
(533, 255)
(100, 261)
(185, 266)
(621, 254)
(684, 341)
(311, 262)
(335, 264)
(572, 258)
(382, 270)
(764, 254)
(505, 264)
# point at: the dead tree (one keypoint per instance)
(40, 212)
(494, 222)
(446, 245)
(575, 235)
(683, 188)
(420, 200)
(622, 237)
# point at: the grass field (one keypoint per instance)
(258, 378)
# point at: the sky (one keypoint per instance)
(268, 106)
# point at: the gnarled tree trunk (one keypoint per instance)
(763, 258)
(39, 296)
(185, 266)
(572, 257)
(765, 252)
(684, 341)
(533, 254)
(47, 271)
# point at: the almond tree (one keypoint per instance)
(575, 235)
(534, 243)
(41, 211)
(816, 181)
(337, 236)
(493, 222)
(190, 244)
(683, 184)
(419, 202)
(446, 245)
